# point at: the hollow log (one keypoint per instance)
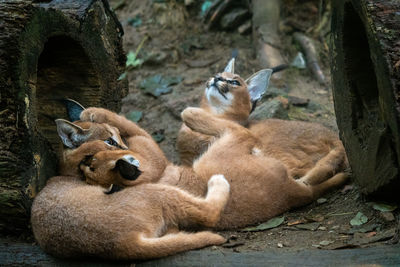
(365, 61)
(49, 50)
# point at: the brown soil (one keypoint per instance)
(180, 36)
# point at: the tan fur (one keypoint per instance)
(71, 218)
(304, 148)
(260, 185)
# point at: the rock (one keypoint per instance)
(298, 101)
(234, 18)
(176, 106)
(273, 92)
(245, 28)
(271, 109)
(387, 216)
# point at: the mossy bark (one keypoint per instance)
(49, 50)
(365, 49)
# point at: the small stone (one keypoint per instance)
(280, 245)
(321, 200)
(298, 101)
(322, 228)
(270, 109)
(387, 216)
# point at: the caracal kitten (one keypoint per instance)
(261, 187)
(71, 218)
(308, 150)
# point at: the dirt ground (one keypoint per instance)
(175, 42)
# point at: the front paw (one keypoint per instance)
(99, 115)
(191, 114)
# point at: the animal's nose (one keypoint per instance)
(131, 160)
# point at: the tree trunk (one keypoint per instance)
(365, 62)
(266, 16)
(49, 50)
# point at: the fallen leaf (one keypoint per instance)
(296, 222)
(274, 222)
(158, 136)
(309, 226)
(134, 115)
(132, 61)
(122, 76)
(364, 229)
(315, 218)
(359, 219)
(157, 85)
(135, 21)
(383, 206)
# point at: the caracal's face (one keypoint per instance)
(224, 90)
(113, 168)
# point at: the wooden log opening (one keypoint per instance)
(365, 92)
(49, 50)
(64, 71)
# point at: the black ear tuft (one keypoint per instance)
(127, 170)
(74, 109)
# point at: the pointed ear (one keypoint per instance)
(257, 84)
(231, 66)
(74, 109)
(71, 134)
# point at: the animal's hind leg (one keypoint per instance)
(304, 194)
(205, 211)
(330, 184)
(138, 246)
(326, 167)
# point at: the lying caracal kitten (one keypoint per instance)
(71, 218)
(261, 187)
(308, 150)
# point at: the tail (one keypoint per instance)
(141, 247)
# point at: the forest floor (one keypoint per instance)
(174, 42)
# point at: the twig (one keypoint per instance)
(311, 56)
